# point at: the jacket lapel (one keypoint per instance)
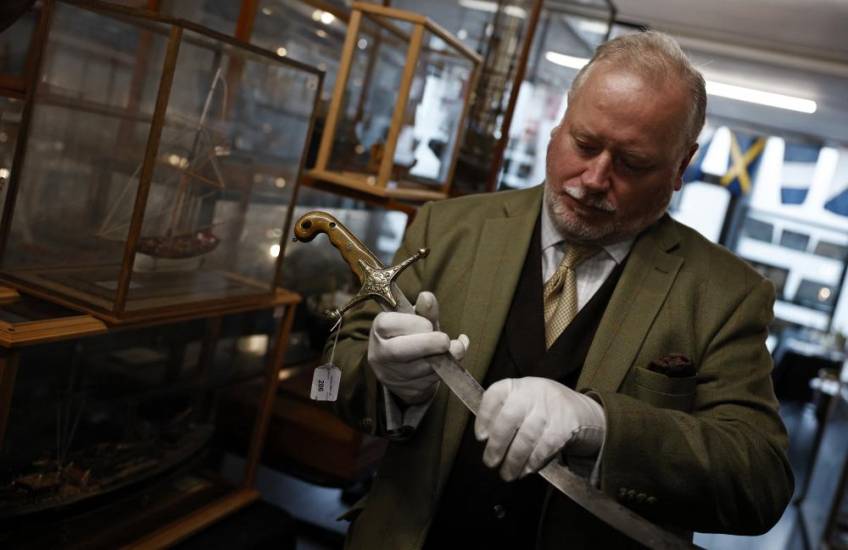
(638, 297)
(504, 241)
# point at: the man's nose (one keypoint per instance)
(598, 170)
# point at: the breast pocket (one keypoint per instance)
(664, 391)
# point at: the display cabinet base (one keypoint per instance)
(169, 511)
(185, 298)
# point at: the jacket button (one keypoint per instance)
(631, 494)
(367, 423)
(622, 492)
(499, 511)
(640, 498)
(651, 500)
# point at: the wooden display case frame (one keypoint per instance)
(114, 310)
(14, 336)
(357, 184)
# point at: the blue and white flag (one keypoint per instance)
(732, 159)
(797, 170)
(745, 153)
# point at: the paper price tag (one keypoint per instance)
(325, 383)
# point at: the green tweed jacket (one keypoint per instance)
(702, 453)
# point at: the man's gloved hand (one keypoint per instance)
(528, 420)
(400, 347)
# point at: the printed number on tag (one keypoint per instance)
(325, 383)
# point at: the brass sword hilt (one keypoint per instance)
(376, 279)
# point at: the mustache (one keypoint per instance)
(585, 197)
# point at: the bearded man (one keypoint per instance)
(607, 336)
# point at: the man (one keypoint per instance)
(607, 335)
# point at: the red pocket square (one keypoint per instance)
(674, 365)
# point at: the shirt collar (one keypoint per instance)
(552, 237)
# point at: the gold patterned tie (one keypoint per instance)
(560, 297)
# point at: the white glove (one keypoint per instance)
(401, 346)
(528, 420)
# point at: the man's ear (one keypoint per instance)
(684, 164)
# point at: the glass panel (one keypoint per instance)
(218, 16)
(228, 159)
(298, 30)
(794, 240)
(832, 250)
(371, 93)
(10, 122)
(561, 42)
(757, 230)
(471, 21)
(91, 118)
(428, 137)
(14, 44)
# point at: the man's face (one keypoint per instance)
(617, 157)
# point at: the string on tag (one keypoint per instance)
(338, 328)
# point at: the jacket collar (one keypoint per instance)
(644, 285)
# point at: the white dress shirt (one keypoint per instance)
(592, 272)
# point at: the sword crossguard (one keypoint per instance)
(378, 284)
(376, 278)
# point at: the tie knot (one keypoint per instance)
(576, 253)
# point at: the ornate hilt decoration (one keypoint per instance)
(376, 279)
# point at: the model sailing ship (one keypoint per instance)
(80, 470)
(180, 196)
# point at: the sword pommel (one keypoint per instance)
(352, 250)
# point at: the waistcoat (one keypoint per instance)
(477, 507)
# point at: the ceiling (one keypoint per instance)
(807, 28)
(793, 47)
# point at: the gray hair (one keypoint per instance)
(658, 57)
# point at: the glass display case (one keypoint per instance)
(398, 108)
(153, 147)
(112, 437)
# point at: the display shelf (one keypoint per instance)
(363, 184)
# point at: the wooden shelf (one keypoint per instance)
(362, 184)
(36, 284)
(194, 522)
(49, 330)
